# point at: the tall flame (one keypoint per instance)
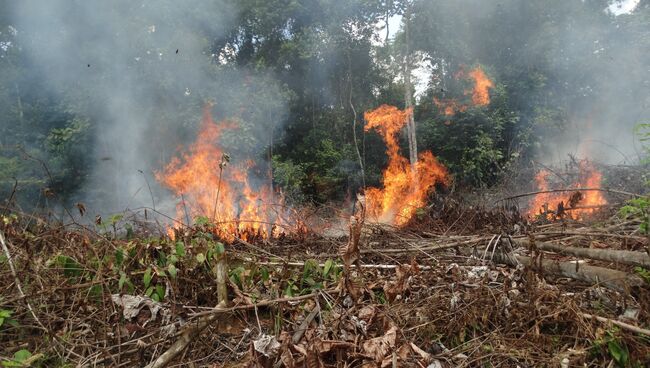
(480, 93)
(405, 189)
(576, 205)
(482, 85)
(208, 185)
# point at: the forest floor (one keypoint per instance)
(457, 287)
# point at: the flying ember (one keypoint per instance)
(404, 188)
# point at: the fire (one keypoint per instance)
(405, 189)
(576, 205)
(482, 85)
(208, 185)
(480, 93)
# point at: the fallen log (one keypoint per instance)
(611, 279)
(608, 255)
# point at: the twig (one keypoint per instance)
(153, 202)
(17, 281)
(304, 325)
(620, 324)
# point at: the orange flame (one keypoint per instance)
(480, 93)
(576, 205)
(208, 185)
(405, 188)
(482, 85)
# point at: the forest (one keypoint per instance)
(360, 183)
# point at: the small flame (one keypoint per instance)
(208, 185)
(576, 205)
(405, 188)
(480, 93)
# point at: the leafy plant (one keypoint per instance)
(21, 358)
(5, 317)
(614, 347)
(644, 273)
(638, 208)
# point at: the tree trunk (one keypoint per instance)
(408, 93)
(354, 125)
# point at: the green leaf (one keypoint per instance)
(123, 279)
(180, 249)
(172, 271)
(327, 267)
(617, 352)
(147, 278)
(265, 274)
(149, 291)
(119, 257)
(160, 291)
(201, 220)
(155, 297)
(220, 248)
(200, 258)
(22, 355)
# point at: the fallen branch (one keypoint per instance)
(612, 279)
(608, 255)
(620, 324)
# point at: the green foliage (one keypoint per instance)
(21, 358)
(612, 345)
(644, 273)
(638, 208)
(5, 318)
(290, 177)
(71, 268)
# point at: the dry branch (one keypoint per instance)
(620, 324)
(608, 255)
(612, 279)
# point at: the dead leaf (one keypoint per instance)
(266, 345)
(400, 285)
(426, 356)
(379, 347)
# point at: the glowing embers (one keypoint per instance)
(405, 188)
(217, 191)
(570, 204)
(480, 93)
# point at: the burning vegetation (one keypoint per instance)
(405, 185)
(209, 185)
(578, 200)
(479, 94)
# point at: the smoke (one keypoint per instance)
(589, 57)
(603, 68)
(139, 72)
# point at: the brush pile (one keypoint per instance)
(501, 292)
